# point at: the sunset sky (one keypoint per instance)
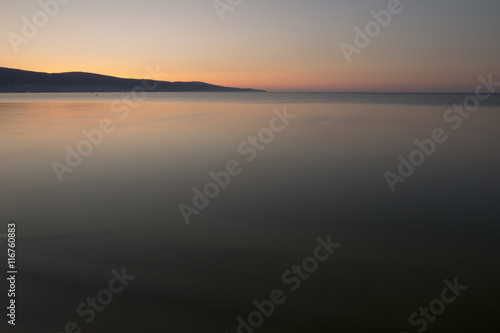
(278, 45)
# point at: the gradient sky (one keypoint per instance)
(278, 45)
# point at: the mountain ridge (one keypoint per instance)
(16, 80)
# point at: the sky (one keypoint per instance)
(277, 45)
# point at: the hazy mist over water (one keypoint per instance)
(323, 174)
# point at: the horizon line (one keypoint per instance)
(265, 90)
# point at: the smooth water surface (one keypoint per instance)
(322, 174)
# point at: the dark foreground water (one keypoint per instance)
(318, 174)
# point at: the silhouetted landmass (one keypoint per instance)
(15, 80)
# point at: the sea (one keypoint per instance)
(250, 212)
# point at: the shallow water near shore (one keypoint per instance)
(321, 175)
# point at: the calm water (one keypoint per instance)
(322, 174)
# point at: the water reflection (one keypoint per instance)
(322, 175)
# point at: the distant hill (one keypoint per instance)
(15, 80)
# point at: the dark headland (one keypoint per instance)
(15, 80)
